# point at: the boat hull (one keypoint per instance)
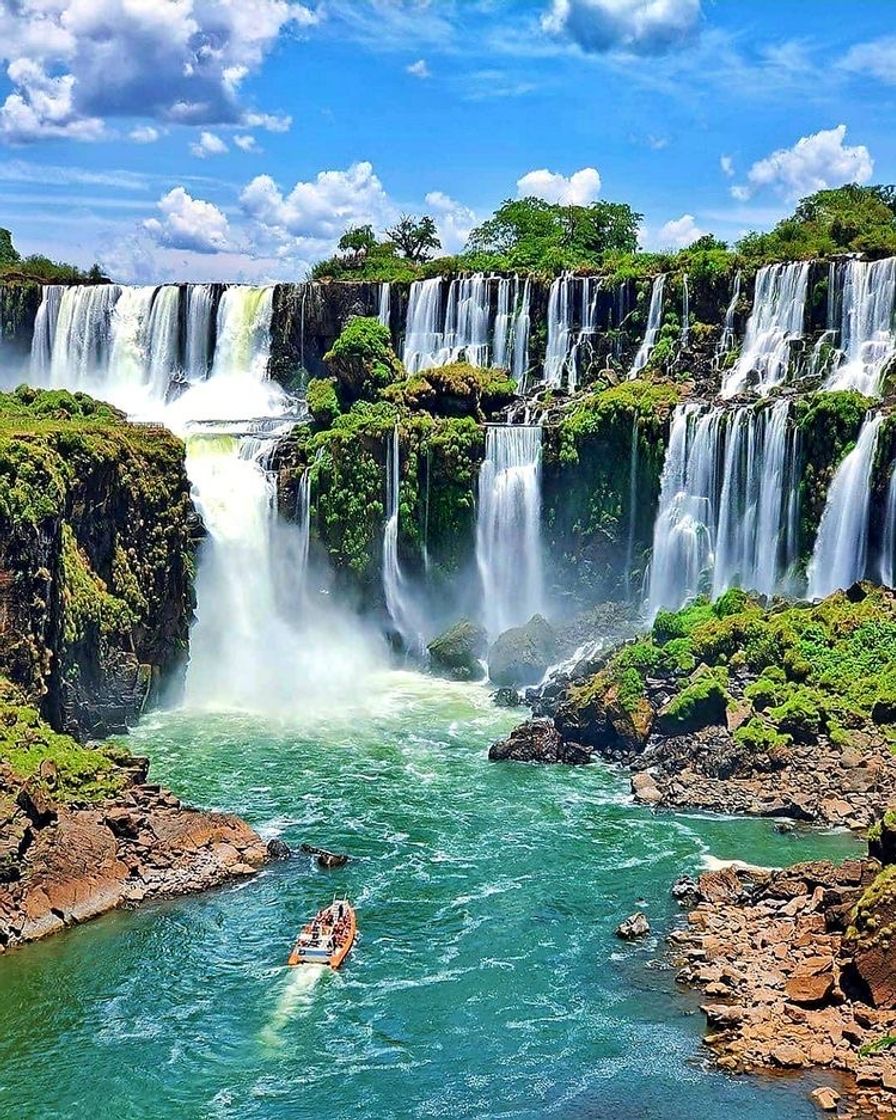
(303, 954)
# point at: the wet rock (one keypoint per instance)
(323, 858)
(278, 850)
(645, 789)
(506, 698)
(684, 890)
(521, 656)
(458, 652)
(634, 927)
(537, 740)
(825, 1098)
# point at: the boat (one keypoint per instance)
(327, 938)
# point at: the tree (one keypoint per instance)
(532, 233)
(8, 252)
(358, 241)
(415, 238)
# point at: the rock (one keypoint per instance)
(328, 860)
(825, 1098)
(458, 652)
(737, 714)
(125, 822)
(521, 656)
(537, 740)
(506, 698)
(684, 891)
(789, 1056)
(634, 926)
(809, 987)
(645, 789)
(277, 849)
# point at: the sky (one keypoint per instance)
(237, 139)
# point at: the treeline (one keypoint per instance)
(530, 235)
(13, 266)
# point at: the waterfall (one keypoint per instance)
(244, 332)
(727, 337)
(423, 334)
(437, 336)
(776, 321)
(632, 502)
(728, 513)
(82, 336)
(399, 601)
(654, 323)
(508, 526)
(504, 316)
(685, 312)
(866, 293)
(303, 525)
(888, 544)
(521, 324)
(200, 322)
(384, 314)
(45, 331)
(841, 548)
(559, 342)
(163, 339)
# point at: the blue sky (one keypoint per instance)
(204, 139)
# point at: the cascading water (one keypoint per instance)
(200, 323)
(82, 336)
(654, 323)
(727, 337)
(45, 332)
(840, 556)
(163, 337)
(423, 333)
(728, 512)
(519, 367)
(396, 591)
(384, 313)
(685, 311)
(560, 335)
(776, 321)
(508, 526)
(865, 292)
(888, 544)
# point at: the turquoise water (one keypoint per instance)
(486, 981)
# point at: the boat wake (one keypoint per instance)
(295, 999)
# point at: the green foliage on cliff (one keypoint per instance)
(454, 390)
(8, 252)
(322, 401)
(803, 670)
(39, 267)
(362, 360)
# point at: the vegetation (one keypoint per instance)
(362, 361)
(37, 267)
(454, 390)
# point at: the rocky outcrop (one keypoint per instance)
(537, 741)
(64, 863)
(521, 656)
(97, 534)
(776, 956)
(458, 652)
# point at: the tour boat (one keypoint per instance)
(327, 938)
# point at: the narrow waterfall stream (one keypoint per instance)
(508, 527)
(402, 609)
(654, 323)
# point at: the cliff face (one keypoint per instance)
(96, 559)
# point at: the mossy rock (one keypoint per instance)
(456, 390)
(522, 655)
(458, 652)
(322, 401)
(703, 702)
(362, 360)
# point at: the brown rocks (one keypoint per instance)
(634, 927)
(537, 741)
(327, 860)
(825, 1097)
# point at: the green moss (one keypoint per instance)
(322, 401)
(878, 1046)
(362, 360)
(760, 736)
(454, 390)
(702, 702)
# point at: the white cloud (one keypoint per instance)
(209, 144)
(646, 27)
(189, 223)
(453, 219)
(246, 143)
(577, 189)
(814, 163)
(271, 122)
(419, 69)
(679, 233)
(875, 59)
(28, 171)
(145, 134)
(311, 217)
(727, 165)
(73, 64)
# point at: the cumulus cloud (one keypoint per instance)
(420, 69)
(577, 189)
(145, 134)
(875, 59)
(209, 144)
(189, 223)
(727, 165)
(316, 213)
(646, 27)
(453, 220)
(246, 143)
(679, 233)
(814, 163)
(75, 63)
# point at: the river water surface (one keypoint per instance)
(486, 981)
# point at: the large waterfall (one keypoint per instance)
(460, 325)
(728, 512)
(841, 547)
(861, 302)
(654, 323)
(776, 322)
(568, 328)
(508, 527)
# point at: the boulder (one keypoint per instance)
(277, 849)
(506, 698)
(634, 927)
(825, 1098)
(521, 656)
(537, 740)
(323, 858)
(811, 985)
(868, 954)
(645, 789)
(458, 652)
